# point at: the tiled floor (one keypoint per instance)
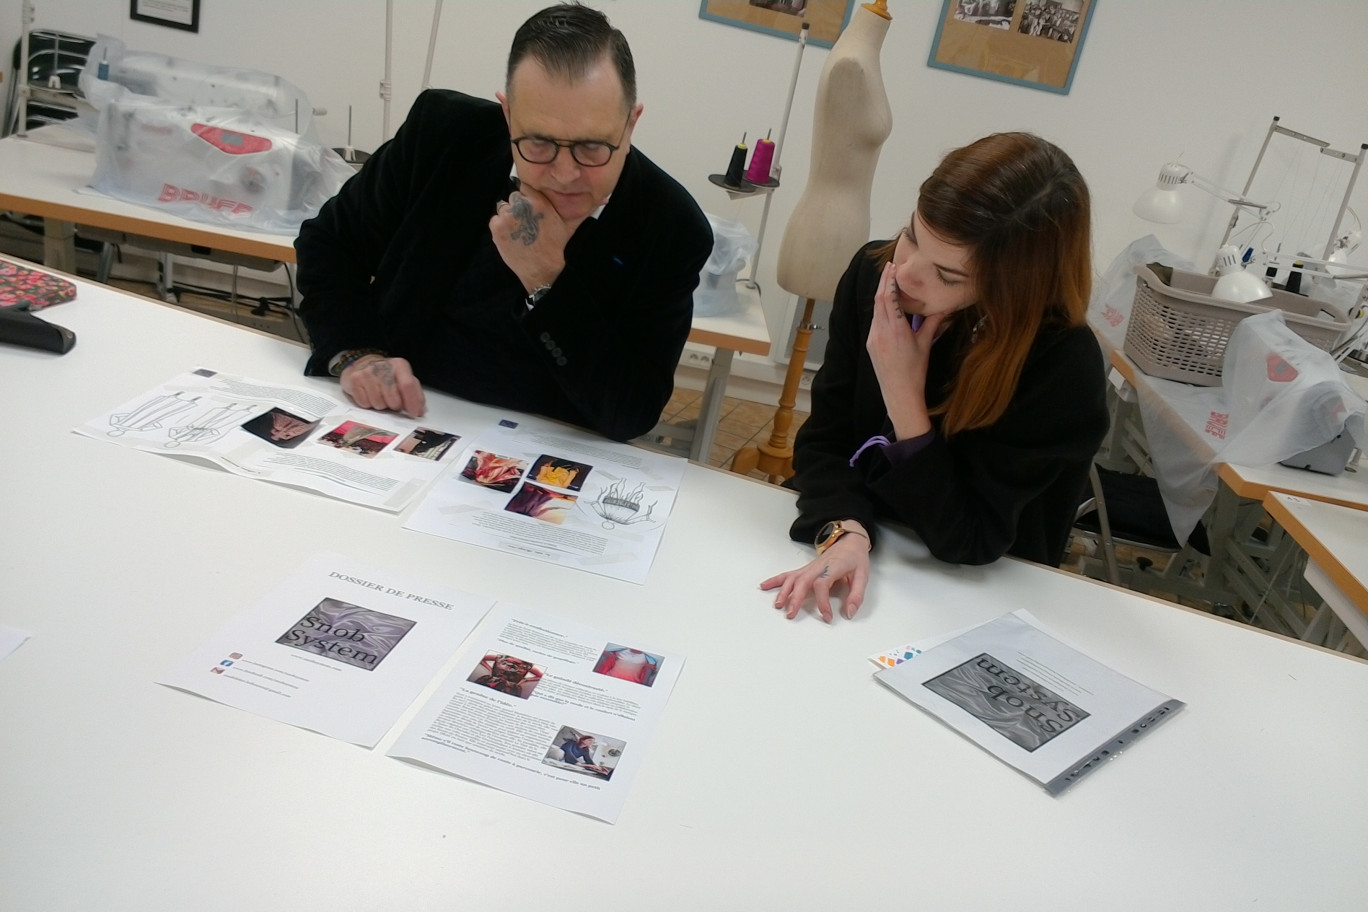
(742, 424)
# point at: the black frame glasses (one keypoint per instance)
(585, 152)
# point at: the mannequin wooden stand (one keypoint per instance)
(775, 458)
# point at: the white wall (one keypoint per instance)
(1156, 79)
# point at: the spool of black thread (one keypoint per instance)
(738, 164)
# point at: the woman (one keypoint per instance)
(962, 392)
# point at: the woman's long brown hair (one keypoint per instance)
(1022, 209)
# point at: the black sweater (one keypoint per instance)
(1010, 488)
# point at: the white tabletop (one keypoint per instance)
(781, 777)
(39, 178)
(742, 330)
(1334, 536)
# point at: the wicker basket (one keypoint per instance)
(1177, 331)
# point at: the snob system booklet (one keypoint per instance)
(1028, 699)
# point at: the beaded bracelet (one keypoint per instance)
(345, 359)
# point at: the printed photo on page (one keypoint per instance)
(556, 494)
(288, 435)
(547, 709)
(338, 648)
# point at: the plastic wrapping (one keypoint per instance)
(206, 143)
(733, 245)
(213, 165)
(1281, 397)
(1285, 395)
(264, 96)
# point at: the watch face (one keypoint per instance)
(826, 532)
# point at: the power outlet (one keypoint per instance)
(696, 359)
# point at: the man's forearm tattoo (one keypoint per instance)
(528, 229)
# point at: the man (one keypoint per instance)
(565, 291)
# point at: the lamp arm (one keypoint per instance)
(1230, 196)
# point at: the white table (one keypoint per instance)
(49, 181)
(46, 180)
(782, 776)
(1335, 539)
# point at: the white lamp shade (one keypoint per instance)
(1163, 206)
(1240, 287)
(1161, 203)
(1234, 283)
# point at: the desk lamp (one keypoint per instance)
(1162, 203)
(1234, 283)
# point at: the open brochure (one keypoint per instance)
(1029, 699)
(548, 709)
(338, 648)
(557, 494)
(288, 435)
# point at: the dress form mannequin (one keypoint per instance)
(851, 121)
(831, 221)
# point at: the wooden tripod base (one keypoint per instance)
(775, 458)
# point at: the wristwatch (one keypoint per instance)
(537, 294)
(830, 533)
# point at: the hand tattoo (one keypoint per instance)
(381, 371)
(527, 229)
(826, 571)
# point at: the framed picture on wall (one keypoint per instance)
(181, 14)
(1034, 43)
(784, 18)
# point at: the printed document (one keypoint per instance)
(556, 494)
(1028, 698)
(547, 709)
(338, 648)
(289, 435)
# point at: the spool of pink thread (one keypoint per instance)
(761, 159)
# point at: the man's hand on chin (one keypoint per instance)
(531, 237)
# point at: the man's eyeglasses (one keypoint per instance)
(541, 150)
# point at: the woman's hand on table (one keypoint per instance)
(846, 561)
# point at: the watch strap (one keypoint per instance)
(537, 294)
(833, 532)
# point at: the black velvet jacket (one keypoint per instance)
(1010, 488)
(402, 260)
